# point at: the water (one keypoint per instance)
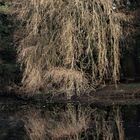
(24, 121)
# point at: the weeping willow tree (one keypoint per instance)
(69, 45)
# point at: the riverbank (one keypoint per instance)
(124, 94)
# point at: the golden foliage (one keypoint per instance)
(71, 41)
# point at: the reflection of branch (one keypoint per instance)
(34, 125)
(119, 124)
(68, 126)
(74, 124)
(52, 125)
(108, 125)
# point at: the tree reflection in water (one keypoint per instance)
(73, 123)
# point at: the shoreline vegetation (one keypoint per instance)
(70, 50)
(125, 94)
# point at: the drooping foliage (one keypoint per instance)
(70, 44)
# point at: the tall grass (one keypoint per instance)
(69, 44)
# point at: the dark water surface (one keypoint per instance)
(22, 121)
